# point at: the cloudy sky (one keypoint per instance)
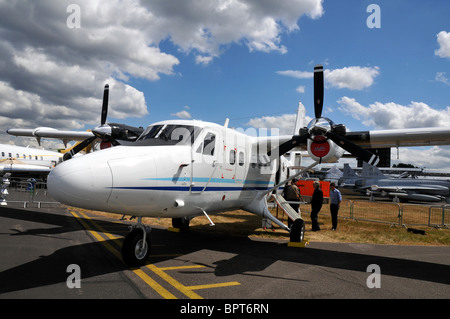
(248, 60)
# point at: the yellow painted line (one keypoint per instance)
(152, 283)
(198, 287)
(186, 291)
(97, 236)
(298, 244)
(223, 284)
(104, 231)
(146, 278)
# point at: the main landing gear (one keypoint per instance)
(137, 245)
(297, 233)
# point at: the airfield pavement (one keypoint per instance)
(38, 245)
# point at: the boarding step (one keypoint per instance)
(286, 207)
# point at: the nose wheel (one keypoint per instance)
(136, 246)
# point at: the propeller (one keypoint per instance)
(107, 132)
(318, 91)
(77, 148)
(322, 129)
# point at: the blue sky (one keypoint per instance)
(241, 85)
(236, 59)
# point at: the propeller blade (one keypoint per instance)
(293, 142)
(78, 148)
(105, 104)
(353, 149)
(318, 90)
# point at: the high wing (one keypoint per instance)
(48, 132)
(108, 133)
(378, 138)
(401, 137)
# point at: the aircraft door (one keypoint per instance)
(205, 164)
(240, 160)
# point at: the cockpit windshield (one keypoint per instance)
(169, 134)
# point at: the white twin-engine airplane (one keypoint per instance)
(180, 169)
(20, 160)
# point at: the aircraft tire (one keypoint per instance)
(181, 223)
(290, 222)
(132, 255)
(297, 231)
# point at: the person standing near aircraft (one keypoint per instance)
(292, 193)
(316, 205)
(335, 202)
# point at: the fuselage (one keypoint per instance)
(175, 169)
(18, 159)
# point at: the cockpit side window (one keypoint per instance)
(209, 144)
(169, 134)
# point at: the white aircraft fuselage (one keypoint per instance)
(200, 167)
(19, 159)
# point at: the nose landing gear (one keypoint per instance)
(137, 245)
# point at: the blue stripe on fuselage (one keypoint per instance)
(240, 185)
(207, 179)
(195, 189)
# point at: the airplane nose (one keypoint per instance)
(81, 182)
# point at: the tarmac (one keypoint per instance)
(40, 247)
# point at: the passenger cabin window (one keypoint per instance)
(232, 157)
(3, 154)
(209, 144)
(241, 158)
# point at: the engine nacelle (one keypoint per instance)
(324, 150)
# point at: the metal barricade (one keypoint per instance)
(439, 216)
(415, 214)
(387, 213)
(27, 193)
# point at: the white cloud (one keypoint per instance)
(297, 74)
(205, 60)
(300, 89)
(392, 115)
(285, 123)
(205, 25)
(182, 114)
(440, 77)
(435, 157)
(352, 77)
(53, 75)
(443, 39)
